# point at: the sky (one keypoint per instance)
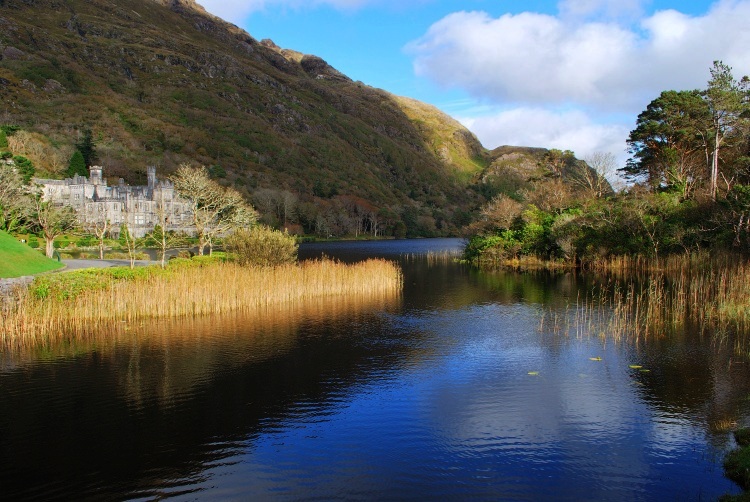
(566, 74)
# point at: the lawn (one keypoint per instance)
(18, 259)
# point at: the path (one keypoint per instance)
(8, 285)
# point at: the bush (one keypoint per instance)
(262, 246)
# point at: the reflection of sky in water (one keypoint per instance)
(427, 395)
(468, 420)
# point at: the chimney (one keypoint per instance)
(151, 170)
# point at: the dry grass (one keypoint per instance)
(185, 291)
(642, 299)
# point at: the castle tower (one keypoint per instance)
(96, 175)
(151, 172)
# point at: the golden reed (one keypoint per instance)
(191, 291)
(644, 299)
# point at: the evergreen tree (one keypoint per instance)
(77, 165)
(3, 139)
(86, 146)
(25, 168)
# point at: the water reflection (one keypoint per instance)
(450, 391)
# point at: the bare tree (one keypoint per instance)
(97, 223)
(215, 209)
(131, 242)
(51, 219)
(163, 239)
(592, 174)
(501, 211)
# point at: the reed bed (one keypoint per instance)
(657, 299)
(89, 301)
(435, 257)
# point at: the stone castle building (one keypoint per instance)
(141, 207)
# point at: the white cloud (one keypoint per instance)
(539, 127)
(595, 60)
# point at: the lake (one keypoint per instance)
(456, 389)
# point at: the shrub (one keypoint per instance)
(262, 246)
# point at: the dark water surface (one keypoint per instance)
(454, 390)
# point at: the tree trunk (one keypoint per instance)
(715, 167)
(101, 249)
(50, 246)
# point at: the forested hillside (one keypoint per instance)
(146, 82)
(688, 190)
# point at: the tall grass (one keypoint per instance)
(86, 301)
(643, 299)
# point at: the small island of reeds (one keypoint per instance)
(82, 301)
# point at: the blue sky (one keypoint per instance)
(569, 74)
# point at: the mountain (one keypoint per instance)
(162, 82)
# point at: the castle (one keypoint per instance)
(140, 207)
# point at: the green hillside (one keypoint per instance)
(163, 83)
(18, 259)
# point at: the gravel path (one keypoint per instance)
(8, 285)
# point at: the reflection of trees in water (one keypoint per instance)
(191, 393)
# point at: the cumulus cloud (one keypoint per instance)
(566, 130)
(537, 59)
(595, 59)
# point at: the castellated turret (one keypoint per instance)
(95, 175)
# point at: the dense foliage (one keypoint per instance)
(136, 83)
(689, 189)
(262, 246)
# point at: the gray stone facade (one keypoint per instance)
(141, 207)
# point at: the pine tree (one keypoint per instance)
(86, 147)
(77, 165)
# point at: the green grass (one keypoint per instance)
(18, 259)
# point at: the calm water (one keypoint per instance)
(451, 391)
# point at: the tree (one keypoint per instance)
(216, 210)
(77, 165)
(14, 202)
(727, 99)
(592, 174)
(558, 160)
(85, 145)
(159, 236)
(97, 223)
(130, 242)
(670, 143)
(25, 168)
(50, 219)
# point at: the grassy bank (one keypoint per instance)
(737, 465)
(17, 259)
(79, 301)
